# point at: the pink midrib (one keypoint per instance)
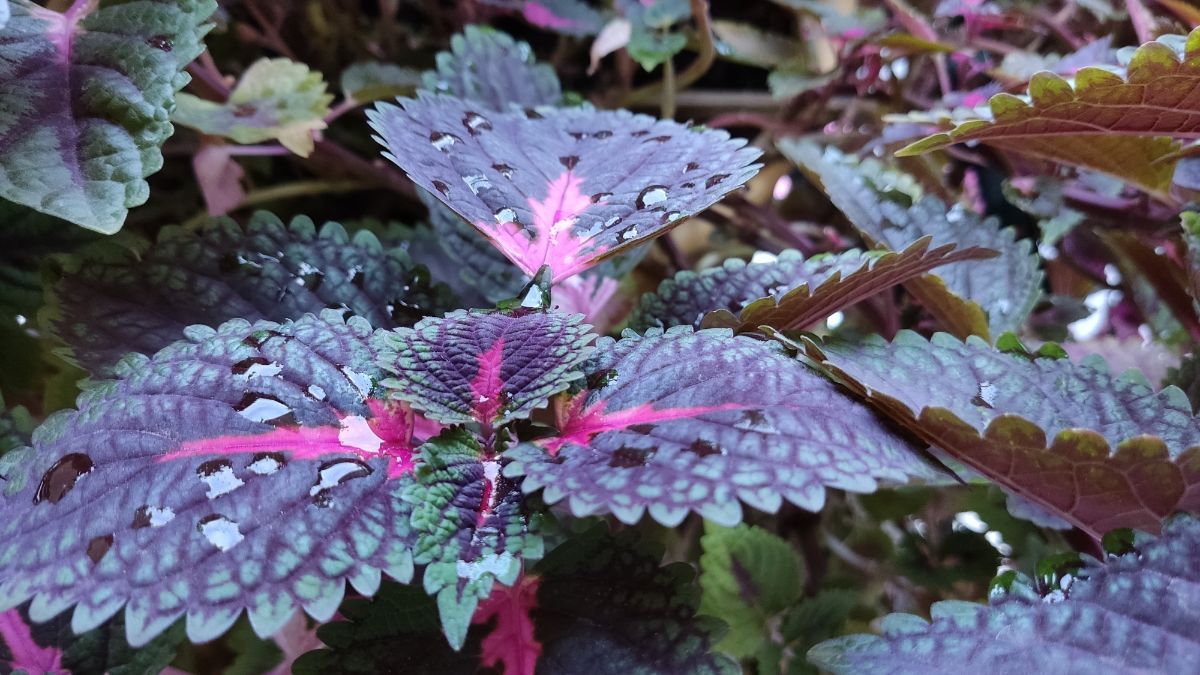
(27, 654)
(581, 428)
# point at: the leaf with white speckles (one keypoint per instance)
(1138, 612)
(244, 468)
(696, 421)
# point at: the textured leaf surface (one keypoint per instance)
(84, 102)
(490, 368)
(1139, 612)
(748, 576)
(396, 631)
(52, 647)
(110, 300)
(606, 607)
(491, 68)
(1081, 122)
(1101, 451)
(276, 99)
(470, 525)
(595, 182)
(375, 81)
(603, 606)
(973, 297)
(798, 292)
(685, 421)
(280, 485)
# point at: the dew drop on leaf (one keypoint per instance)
(505, 215)
(442, 140)
(475, 123)
(714, 180)
(98, 547)
(267, 463)
(263, 408)
(651, 195)
(220, 531)
(218, 475)
(152, 516)
(61, 477)
(441, 187)
(160, 42)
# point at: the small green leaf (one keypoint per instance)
(748, 575)
(276, 99)
(375, 81)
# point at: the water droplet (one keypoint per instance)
(151, 516)
(441, 187)
(611, 222)
(505, 215)
(626, 457)
(688, 185)
(602, 134)
(256, 366)
(639, 133)
(357, 433)
(218, 475)
(599, 196)
(337, 472)
(570, 161)
(986, 395)
(651, 195)
(691, 166)
(503, 169)
(475, 123)
(477, 182)
(309, 277)
(669, 217)
(755, 420)
(631, 233)
(532, 114)
(267, 463)
(259, 337)
(442, 140)
(316, 392)
(361, 381)
(657, 139)
(61, 477)
(356, 277)
(98, 547)
(220, 531)
(713, 180)
(161, 42)
(703, 448)
(263, 408)
(577, 135)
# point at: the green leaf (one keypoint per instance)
(1139, 612)
(375, 81)
(85, 98)
(653, 48)
(1113, 121)
(748, 575)
(276, 99)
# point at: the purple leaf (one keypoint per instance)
(685, 421)
(1100, 451)
(244, 467)
(470, 525)
(85, 99)
(1139, 612)
(490, 368)
(595, 183)
(110, 300)
(489, 67)
(980, 297)
(790, 293)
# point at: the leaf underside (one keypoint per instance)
(110, 300)
(603, 181)
(971, 298)
(279, 488)
(85, 102)
(1101, 451)
(684, 421)
(1139, 612)
(1117, 123)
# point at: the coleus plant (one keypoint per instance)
(467, 445)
